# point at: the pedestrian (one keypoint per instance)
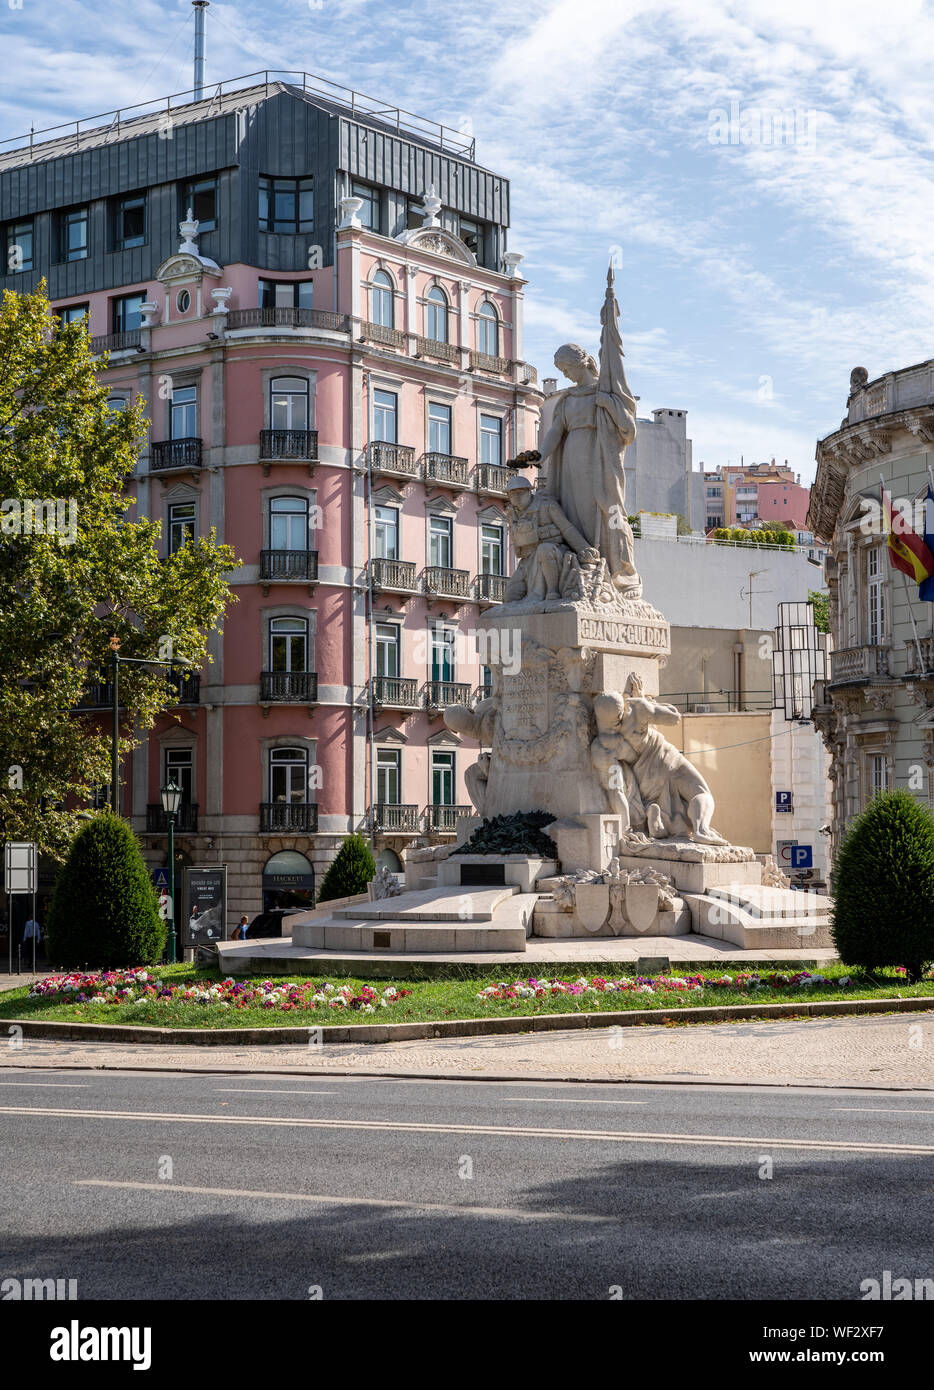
(243, 927)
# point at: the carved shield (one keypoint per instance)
(592, 901)
(642, 905)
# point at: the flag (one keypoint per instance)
(927, 585)
(907, 551)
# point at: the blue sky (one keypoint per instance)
(752, 276)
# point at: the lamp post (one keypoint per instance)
(171, 798)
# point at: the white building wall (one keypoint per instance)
(799, 765)
(698, 584)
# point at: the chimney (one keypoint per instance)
(199, 8)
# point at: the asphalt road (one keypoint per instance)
(251, 1187)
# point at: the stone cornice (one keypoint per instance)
(853, 446)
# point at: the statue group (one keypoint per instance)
(561, 734)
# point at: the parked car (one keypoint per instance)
(270, 923)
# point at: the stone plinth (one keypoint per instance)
(693, 868)
(518, 870)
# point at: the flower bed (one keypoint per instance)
(123, 987)
(665, 984)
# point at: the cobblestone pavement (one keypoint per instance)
(881, 1051)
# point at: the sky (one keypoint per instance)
(758, 258)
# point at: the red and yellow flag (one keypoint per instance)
(907, 550)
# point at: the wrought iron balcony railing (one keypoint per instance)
(492, 477)
(186, 819)
(185, 686)
(300, 446)
(395, 692)
(393, 458)
(447, 469)
(288, 687)
(491, 588)
(395, 819)
(175, 453)
(447, 583)
(291, 816)
(442, 820)
(115, 342)
(398, 575)
(97, 695)
(288, 564)
(440, 694)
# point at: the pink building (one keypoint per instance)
(332, 357)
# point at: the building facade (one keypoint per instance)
(876, 711)
(331, 355)
(745, 495)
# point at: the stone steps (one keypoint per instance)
(452, 904)
(424, 922)
(756, 917)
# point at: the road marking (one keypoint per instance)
(568, 1100)
(452, 1208)
(256, 1091)
(53, 1085)
(505, 1131)
(883, 1110)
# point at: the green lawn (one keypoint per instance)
(428, 1000)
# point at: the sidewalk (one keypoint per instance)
(888, 1051)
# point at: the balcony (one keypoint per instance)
(491, 588)
(858, 664)
(288, 687)
(278, 316)
(442, 820)
(287, 446)
(185, 687)
(492, 478)
(288, 816)
(378, 333)
(440, 694)
(393, 819)
(926, 666)
(447, 469)
(288, 567)
(398, 459)
(527, 374)
(447, 584)
(116, 342)
(97, 695)
(186, 819)
(395, 692)
(175, 455)
(432, 347)
(484, 362)
(396, 576)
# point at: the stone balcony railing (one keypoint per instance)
(280, 316)
(924, 667)
(433, 347)
(856, 664)
(486, 362)
(393, 458)
(380, 333)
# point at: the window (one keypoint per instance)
(117, 402)
(182, 525)
(288, 644)
(436, 315)
(183, 301)
(286, 205)
(18, 247)
(491, 550)
(73, 231)
(713, 521)
(385, 416)
(878, 774)
(875, 627)
(71, 313)
(285, 294)
(128, 312)
(414, 214)
(442, 778)
(388, 776)
(129, 222)
(387, 649)
(386, 533)
(178, 766)
(472, 235)
(288, 523)
(183, 413)
(288, 403)
(442, 653)
(440, 537)
(201, 197)
(491, 439)
(714, 492)
(488, 330)
(381, 300)
(369, 213)
(288, 775)
(439, 428)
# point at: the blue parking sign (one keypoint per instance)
(802, 856)
(783, 801)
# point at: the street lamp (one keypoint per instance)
(171, 800)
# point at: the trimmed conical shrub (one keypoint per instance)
(350, 871)
(884, 886)
(104, 912)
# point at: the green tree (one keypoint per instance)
(349, 872)
(84, 573)
(683, 525)
(821, 609)
(104, 912)
(884, 886)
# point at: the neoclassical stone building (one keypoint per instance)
(876, 711)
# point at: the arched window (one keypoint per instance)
(381, 299)
(288, 523)
(487, 330)
(436, 315)
(288, 775)
(288, 644)
(288, 403)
